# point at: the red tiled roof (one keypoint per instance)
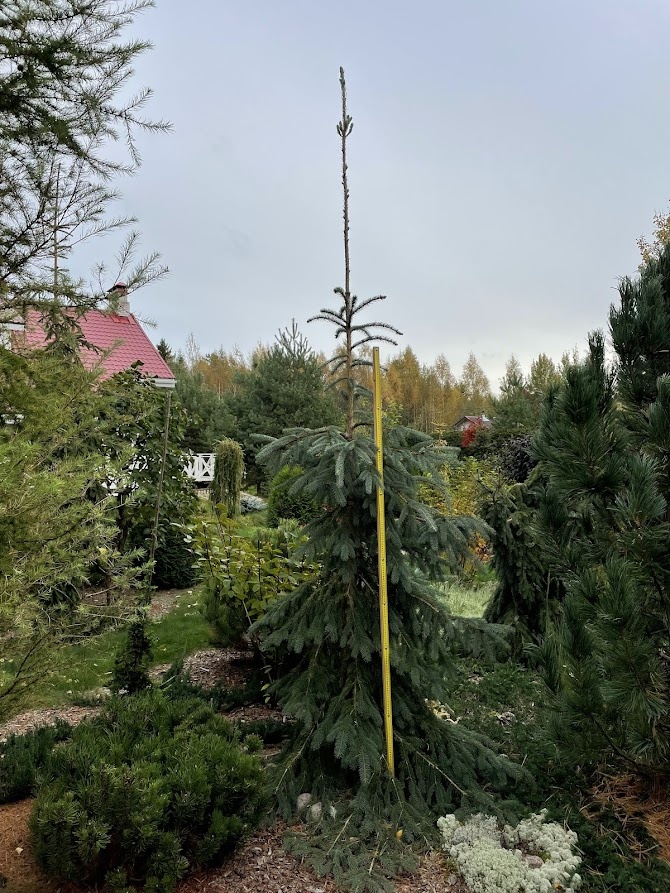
(121, 338)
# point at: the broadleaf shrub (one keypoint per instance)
(147, 791)
(459, 493)
(242, 578)
(286, 504)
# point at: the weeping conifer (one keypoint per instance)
(227, 478)
(527, 595)
(604, 446)
(329, 633)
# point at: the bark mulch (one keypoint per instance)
(35, 719)
(163, 602)
(214, 666)
(260, 865)
(18, 871)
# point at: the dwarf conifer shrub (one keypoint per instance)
(22, 757)
(147, 791)
(131, 663)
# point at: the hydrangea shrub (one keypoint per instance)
(536, 856)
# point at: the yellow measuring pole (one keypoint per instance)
(381, 550)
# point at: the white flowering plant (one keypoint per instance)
(536, 856)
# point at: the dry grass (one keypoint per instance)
(634, 800)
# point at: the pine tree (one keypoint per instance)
(64, 69)
(514, 408)
(208, 418)
(286, 389)
(604, 445)
(329, 631)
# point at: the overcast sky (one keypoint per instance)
(504, 159)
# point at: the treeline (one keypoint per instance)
(287, 384)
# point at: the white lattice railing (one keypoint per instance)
(201, 467)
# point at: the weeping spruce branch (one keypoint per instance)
(227, 480)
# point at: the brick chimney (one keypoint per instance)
(118, 296)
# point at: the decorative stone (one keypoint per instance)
(303, 801)
(534, 861)
(314, 813)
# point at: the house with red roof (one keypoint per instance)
(117, 338)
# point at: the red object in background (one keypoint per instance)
(470, 433)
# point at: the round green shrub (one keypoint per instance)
(175, 562)
(144, 793)
(285, 503)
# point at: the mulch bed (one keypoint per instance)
(163, 602)
(214, 666)
(35, 719)
(260, 865)
(17, 864)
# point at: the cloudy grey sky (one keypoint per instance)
(504, 159)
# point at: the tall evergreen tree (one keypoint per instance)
(64, 69)
(329, 629)
(57, 515)
(286, 389)
(604, 445)
(208, 418)
(513, 410)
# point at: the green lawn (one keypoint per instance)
(247, 525)
(82, 668)
(463, 601)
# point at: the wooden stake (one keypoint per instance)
(381, 553)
